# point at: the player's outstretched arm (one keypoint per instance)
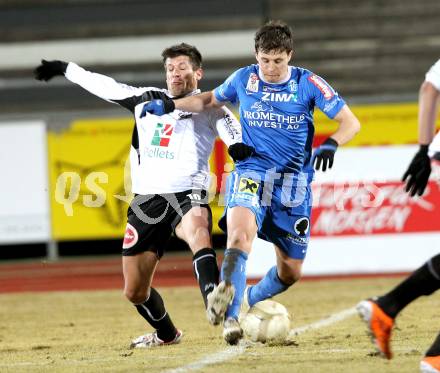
(198, 103)
(193, 104)
(99, 85)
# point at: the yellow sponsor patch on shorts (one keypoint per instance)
(248, 186)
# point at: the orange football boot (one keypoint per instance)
(430, 364)
(379, 324)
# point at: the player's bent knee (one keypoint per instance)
(202, 235)
(198, 239)
(290, 277)
(136, 295)
(238, 238)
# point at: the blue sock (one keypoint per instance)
(234, 272)
(269, 286)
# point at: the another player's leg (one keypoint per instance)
(431, 361)
(138, 272)
(242, 229)
(379, 313)
(195, 229)
(277, 280)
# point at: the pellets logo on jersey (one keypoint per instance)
(252, 84)
(130, 237)
(248, 186)
(301, 226)
(322, 86)
(162, 135)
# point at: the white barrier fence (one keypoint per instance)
(363, 221)
(24, 196)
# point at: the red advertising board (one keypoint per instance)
(367, 208)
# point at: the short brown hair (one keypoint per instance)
(184, 49)
(274, 36)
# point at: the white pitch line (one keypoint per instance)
(324, 322)
(232, 352)
(218, 357)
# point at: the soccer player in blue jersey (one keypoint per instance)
(269, 192)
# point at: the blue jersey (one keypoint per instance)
(277, 119)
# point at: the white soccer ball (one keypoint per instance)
(266, 321)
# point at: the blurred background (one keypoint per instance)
(375, 53)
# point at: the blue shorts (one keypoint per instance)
(282, 212)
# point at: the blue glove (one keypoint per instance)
(325, 154)
(158, 107)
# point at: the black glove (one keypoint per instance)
(158, 107)
(48, 69)
(325, 154)
(418, 172)
(240, 151)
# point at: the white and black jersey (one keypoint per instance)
(433, 77)
(169, 153)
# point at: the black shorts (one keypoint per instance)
(152, 218)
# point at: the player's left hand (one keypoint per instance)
(158, 107)
(417, 174)
(48, 69)
(240, 151)
(325, 154)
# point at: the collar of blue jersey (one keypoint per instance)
(289, 75)
(195, 92)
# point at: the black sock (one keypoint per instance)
(423, 281)
(153, 310)
(434, 350)
(206, 270)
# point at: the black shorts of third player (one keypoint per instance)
(152, 218)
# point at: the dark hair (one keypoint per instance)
(184, 49)
(274, 36)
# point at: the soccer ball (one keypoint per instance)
(266, 321)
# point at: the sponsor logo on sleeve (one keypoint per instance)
(330, 105)
(229, 125)
(325, 89)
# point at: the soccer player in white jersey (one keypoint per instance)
(380, 312)
(269, 193)
(170, 178)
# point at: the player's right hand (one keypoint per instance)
(48, 69)
(324, 154)
(417, 174)
(240, 151)
(158, 107)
